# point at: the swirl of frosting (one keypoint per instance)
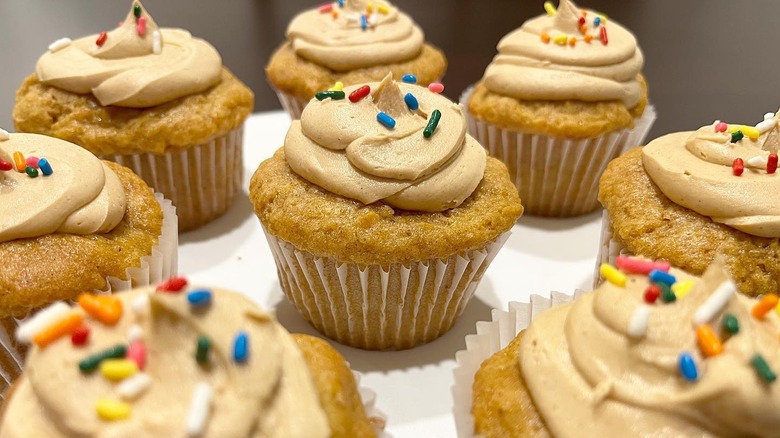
(695, 170)
(81, 196)
(590, 375)
(127, 69)
(341, 147)
(270, 394)
(539, 62)
(341, 41)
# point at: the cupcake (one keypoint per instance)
(347, 43)
(382, 214)
(688, 196)
(72, 223)
(156, 100)
(564, 96)
(180, 361)
(620, 362)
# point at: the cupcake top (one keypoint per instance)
(726, 172)
(392, 142)
(136, 65)
(353, 34)
(568, 54)
(49, 186)
(178, 361)
(656, 350)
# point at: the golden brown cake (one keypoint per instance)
(665, 201)
(381, 234)
(157, 100)
(563, 96)
(327, 45)
(195, 362)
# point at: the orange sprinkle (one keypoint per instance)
(335, 14)
(572, 41)
(105, 308)
(545, 37)
(19, 161)
(767, 303)
(709, 343)
(584, 28)
(588, 38)
(58, 329)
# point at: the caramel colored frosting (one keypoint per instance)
(340, 146)
(590, 375)
(531, 65)
(695, 170)
(337, 40)
(81, 196)
(127, 70)
(271, 394)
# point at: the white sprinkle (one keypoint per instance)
(768, 116)
(372, 19)
(134, 333)
(757, 161)
(132, 387)
(714, 303)
(199, 409)
(140, 304)
(766, 125)
(353, 18)
(60, 44)
(156, 42)
(29, 328)
(637, 326)
(4, 135)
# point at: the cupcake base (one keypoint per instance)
(292, 104)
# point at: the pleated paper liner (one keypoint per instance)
(556, 176)
(493, 336)
(292, 104)
(379, 308)
(201, 181)
(609, 249)
(161, 264)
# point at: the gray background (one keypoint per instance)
(703, 59)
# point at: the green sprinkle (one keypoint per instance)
(762, 368)
(433, 122)
(730, 323)
(92, 362)
(31, 171)
(666, 293)
(335, 95)
(202, 354)
(137, 10)
(736, 136)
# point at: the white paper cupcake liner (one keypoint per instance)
(161, 264)
(556, 176)
(292, 104)
(376, 417)
(201, 180)
(609, 249)
(375, 307)
(493, 336)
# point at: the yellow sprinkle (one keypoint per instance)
(370, 8)
(612, 274)
(383, 9)
(338, 86)
(561, 39)
(118, 369)
(548, 6)
(681, 288)
(777, 308)
(750, 131)
(112, 410)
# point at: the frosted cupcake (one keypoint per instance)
(72, 223)
(564, 96)
(157, 100)
(382, 214)
(688, 196)
(346, 43)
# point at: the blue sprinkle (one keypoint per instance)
(363, 22)
(200, 297)
(341, 3)
(688, 367)
(386, 120)
(411, 101)
(661, 277)
(241, 347)
(596, 21)
(45, 167)
(409, 79)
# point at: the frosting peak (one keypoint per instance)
(136, 65)
(348, 148)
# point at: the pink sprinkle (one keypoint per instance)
(721, 127)
(141, 28)
(327, 7)
(137, 353)
(638, 266)
(32, 162)
(436, 87)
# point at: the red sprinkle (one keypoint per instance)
(101, 39)
(80, 335)
(141, 28)
(5, 165)
(738, 166)
(581, 21)
(436, 87)
(638, 266)
(136, 352)
(771, 163)
(326, 8)
(721, 127)
(652, 293)
(360, 93)
(173, 284)
(603, 35)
